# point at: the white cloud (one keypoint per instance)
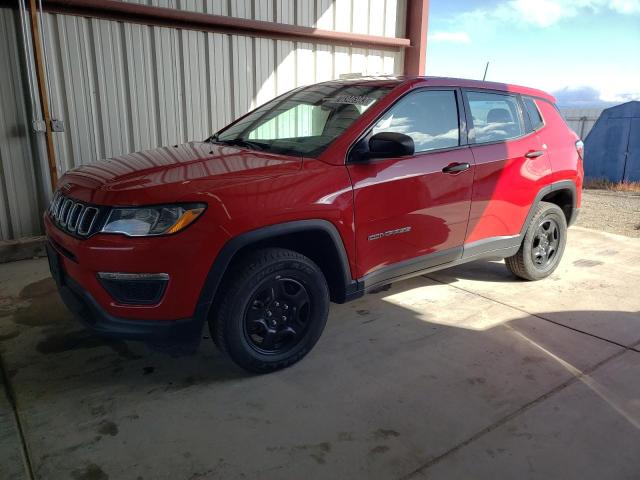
(610, 95)
(539, 12)
(453, 37)
(627, 7)
(544, 13)
(589, 97)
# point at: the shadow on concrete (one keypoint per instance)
(396, 381)
(480, 270)
(60, 345)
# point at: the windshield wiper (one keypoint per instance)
(239, 142)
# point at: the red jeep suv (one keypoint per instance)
(323, 194)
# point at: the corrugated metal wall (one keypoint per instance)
(123, 87)
(21, 200)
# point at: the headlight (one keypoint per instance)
(147, 221)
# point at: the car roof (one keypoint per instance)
(393, 81)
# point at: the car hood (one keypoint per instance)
(179, 170)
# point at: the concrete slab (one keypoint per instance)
(12, 466)
(593, 289)
(398, 379)
(14, 250)
(557, 439)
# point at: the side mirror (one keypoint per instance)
(388, 145)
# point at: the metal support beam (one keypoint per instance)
(36, 36)
(173, 18)
(417, 20)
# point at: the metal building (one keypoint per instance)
(612, 148)
(89, 79)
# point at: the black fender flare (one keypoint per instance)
(234, 245)
(547, 189)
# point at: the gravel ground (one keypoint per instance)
(614, 212)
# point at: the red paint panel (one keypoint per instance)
(410, 192)
(505, 185)
(561, 140)
(240, 194)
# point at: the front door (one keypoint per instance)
(412, 212)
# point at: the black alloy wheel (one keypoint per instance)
(271, 311)
(277, 316)
(543, 244)
(546, 241)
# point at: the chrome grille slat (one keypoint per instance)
(64, 212)
(56, 205)
(90, 215)
(73, 216)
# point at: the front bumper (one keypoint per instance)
(186, 258)
(179, 336)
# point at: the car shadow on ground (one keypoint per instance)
(48, 337)
(480, 270)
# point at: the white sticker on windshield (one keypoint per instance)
(351, 99)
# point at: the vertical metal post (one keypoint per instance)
(24, 22)
(36, 36)
(415, 56)
(583, 122)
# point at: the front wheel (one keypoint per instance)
(273, 310)
(542, 246)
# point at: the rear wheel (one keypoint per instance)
(273, 310)
(543, 244)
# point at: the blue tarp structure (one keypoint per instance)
(612, 148)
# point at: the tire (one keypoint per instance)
(267, 286)
(541, 249)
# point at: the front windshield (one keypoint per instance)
(304, 121)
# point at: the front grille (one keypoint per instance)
(75, 217)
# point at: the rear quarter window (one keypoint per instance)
(535, 117)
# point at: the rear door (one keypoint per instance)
(511, 165)
(408, 212)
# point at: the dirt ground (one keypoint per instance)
(613, 212)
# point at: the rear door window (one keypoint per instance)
(495, 117)
(534, 114)
(429, 117)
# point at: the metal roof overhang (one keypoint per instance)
(173, 18)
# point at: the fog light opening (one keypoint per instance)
(134, 288)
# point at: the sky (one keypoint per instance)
(585, 52)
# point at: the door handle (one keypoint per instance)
(456, 168)
(534, 154)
